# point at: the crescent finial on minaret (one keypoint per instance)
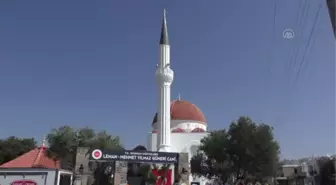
(164, 31)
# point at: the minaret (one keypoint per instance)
(164, 76)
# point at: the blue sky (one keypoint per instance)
(92, 63)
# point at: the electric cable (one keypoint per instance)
(273, 36)
(309, 40)
(271, 48)
(302, 22)
(305, 64)
(293, 50)
(305, 20)
(302, 31)
(298, 24)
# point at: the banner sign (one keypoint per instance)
(134, 156)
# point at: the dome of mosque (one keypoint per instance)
(184, 110)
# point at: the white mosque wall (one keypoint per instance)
(179, 142)
(186, 125)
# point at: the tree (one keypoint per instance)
(253, 149)
(13, 147)
(245, 150)
(64, 141)
(213, 160)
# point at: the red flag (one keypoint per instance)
(161, 173)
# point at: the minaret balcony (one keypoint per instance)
(164, 76)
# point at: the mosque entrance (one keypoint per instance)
(134, 167)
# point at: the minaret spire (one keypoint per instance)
(164, 31)
(164, 77)
(44, 141)
(43, 144)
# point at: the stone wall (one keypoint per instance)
(184, 164)
(120, 176)
(83, 159)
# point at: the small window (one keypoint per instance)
(193, 150)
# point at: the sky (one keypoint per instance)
(92, 63)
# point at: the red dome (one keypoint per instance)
(178, 130)
(183, 110)
(198, 130)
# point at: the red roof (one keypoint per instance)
(183, 110)
(155, 131)
(36, 158)
(178, 130)
(198, 130)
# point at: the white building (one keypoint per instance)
(307, 168)
(178, 126)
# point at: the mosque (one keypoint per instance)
(178, 126)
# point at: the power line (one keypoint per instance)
(293, 52)
(305, 51)
(298, 23)
(271, 48)
(273, 36)
(298, 12)
(304, 23)
(305, 9)
(302, 20)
